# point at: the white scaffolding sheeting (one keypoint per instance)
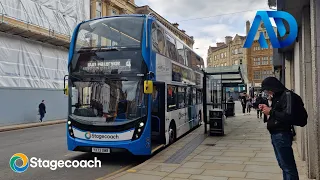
(61, 16)
(30, 64)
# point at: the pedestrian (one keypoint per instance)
(287, 110)
(244, 103)
(42, 110)
(249, 104)
(259, 100)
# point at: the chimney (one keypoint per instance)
(175, 25)
(220, 44)
(183, 31)
(228, 39)
(247, 27)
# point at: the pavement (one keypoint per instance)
(244, 153)
(30, 125)
(49, 143)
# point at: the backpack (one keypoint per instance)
(299, 113)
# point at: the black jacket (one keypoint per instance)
(280, 113)
(42, 108)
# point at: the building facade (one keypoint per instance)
(259, 60)
(100, 8)
(35, 37)
(298, 67)
(227, 53)
(173, 27)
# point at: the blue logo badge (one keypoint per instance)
(278, 16)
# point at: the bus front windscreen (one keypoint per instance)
(113, 99)
(110, 32)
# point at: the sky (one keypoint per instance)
(195, 17)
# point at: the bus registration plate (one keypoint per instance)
(101, 150)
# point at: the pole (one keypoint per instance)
(205, 101)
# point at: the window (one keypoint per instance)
(256, 61)
(240, 50)
(113, 12)
(236, 51)
(221, 55)
(225, 64)
(181, 55)
(181, 97)
(171, 47)
(155, 100)
(271, 60)
(154, 38)
(265, 61)
(225, 54)
(199, 96)
(98, 9)
(187, 57)
(256, 75)
(236, 62)
(188, 96)
(158, 39)
(171, 98)
(194, 96)
(240, 61)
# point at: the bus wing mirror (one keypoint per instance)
(66, 91)
(148, 87)
(65, 88)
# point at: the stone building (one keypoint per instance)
(298, 67)
(227, 53)
(100, 8)
(259, 60)
(181, 34)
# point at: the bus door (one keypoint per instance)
(158, 114)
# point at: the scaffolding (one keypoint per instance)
(49, 21)
(34, 40)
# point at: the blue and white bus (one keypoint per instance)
(132, 86)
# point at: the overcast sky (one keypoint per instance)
(231, 16)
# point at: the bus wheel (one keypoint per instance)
(172, 133)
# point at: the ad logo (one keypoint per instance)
(278, 16)
(87, 135)
(13, 163)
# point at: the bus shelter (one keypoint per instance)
(216, 81)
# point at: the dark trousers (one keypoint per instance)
(282, 145)
(248, 109)
(259, 113)
(243, 108)
(41, 116)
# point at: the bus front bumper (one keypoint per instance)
(141, 146)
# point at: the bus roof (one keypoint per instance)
(150, 17)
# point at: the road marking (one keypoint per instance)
(116, 172)
(157, 148)
(70, 154)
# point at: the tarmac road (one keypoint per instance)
(49, 143)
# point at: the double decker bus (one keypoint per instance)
(132, 86)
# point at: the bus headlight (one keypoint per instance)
(139, 127)
(70, 130)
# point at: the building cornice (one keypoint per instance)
(160, 18)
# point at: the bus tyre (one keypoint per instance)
(172, 133)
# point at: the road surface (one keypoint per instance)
(49, 143)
